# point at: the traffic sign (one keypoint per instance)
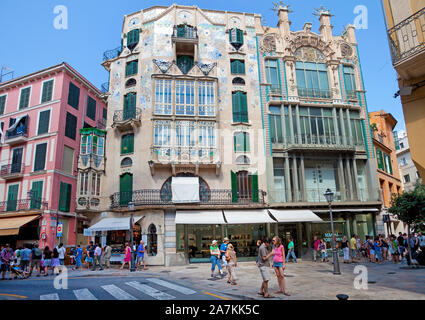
(59, 230)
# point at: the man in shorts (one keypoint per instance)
(141, 255)
(264, 266)
(36, 255)
(353, 247)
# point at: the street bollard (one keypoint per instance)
(342, 297)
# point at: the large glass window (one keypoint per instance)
(275, 124)
(206, 98)
(312, 79)
(84, 183)
(185, 97)
(350, 82)
(206, 134)
(163, 98)
(272, 74)
(162, 133)
(356, 127)
(185, 133)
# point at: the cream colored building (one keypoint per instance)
(183, 114)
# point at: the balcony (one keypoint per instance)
(407, 41)
(104, 87)
(23, 205)
(151, 197)
(184, 33)
(323, 142)
(12, 171)
(315, 195)
(314, 93)
(91, 161)
(19, 135)
(351, 95)
(112, 54)
(127, 119)
(85, 202)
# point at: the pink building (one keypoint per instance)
(40, 118)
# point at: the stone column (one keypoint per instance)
(282, 117)
(299, 240)
(357, 192)
(295, 178)
(303, 182)
(297, 116)
(287, 180)
(291, 126)
(341, 178)
(343, 133)
(350, 138)
(348, 223)
(350, 181)
(337, 133)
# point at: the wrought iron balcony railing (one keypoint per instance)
(23, 205)
(314, 93)
(18, 132)
(124, 115)
(159, 197)
(104, 87)
(112, 54)
(11, 169)
(408, 37)
(186, 154)
(319, 141)
(185, 32)
(315, 195)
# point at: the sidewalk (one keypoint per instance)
(304, 280)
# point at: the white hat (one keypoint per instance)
(214, 241)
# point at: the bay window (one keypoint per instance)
(163, 98)
(272, 75)
(206, 98)
(185, 97)
(312, 79)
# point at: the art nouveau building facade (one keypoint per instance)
(218, 125)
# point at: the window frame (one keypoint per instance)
(208, 96)
(45, 156)
(20, 97)
(161, 84)
(53, 90)
(76, 125)
(184, 95)
(38, 121)
(5, 102)
(95, 108)
(71, 84)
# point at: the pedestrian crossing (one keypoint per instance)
(121, 292)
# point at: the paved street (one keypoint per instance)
(305, 280)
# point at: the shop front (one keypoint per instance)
(19, 230)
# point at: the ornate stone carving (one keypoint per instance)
(269, 43)
(163, 65)
(206, 67)
(346, 50)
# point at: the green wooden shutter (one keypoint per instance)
(127, 144)
(47, 91)
(132, 38)
(236, 106)
(65, 197)
(380, 159)
(234, 186)
(2, 103)
(91, 108)
(40, 157)
(73, 95)
(245, 137)
(126, 189)
(43, 122)
(25, 98)
(37, 188)
(239, 36)
(243, 107)
(254, 185)
(12, 197)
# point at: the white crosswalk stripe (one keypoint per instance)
(118, 293)
(84, 294)
(172, 286)
(159, 295)
(53, 296)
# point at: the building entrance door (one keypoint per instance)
(287, 231)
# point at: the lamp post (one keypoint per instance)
(329, 195)
(131, 208)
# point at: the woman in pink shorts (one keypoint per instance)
(279, 264)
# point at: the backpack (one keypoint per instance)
(37, 252)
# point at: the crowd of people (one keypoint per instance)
(380, 248)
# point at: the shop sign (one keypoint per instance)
(59, 230)
(328, 237)
(87, 233)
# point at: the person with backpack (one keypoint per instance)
(36, 259)
(231, 264)
(47, 260)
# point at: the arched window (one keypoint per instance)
(130, 83)
(242, 160)
(126, 162)
(152, 240)
(238, 81)
(204, 190)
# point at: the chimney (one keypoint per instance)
(284, 23)
(351, 36)
(325, 25)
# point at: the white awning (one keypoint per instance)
(110, 224)
(185, 189)
(247, 216)
(199, 217)
(294, 215)
(347, 210)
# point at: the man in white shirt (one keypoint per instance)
(97, 256)
(62, 253)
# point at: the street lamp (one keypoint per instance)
(329, 195)
(131, 208)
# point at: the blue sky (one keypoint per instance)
(94, 26)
